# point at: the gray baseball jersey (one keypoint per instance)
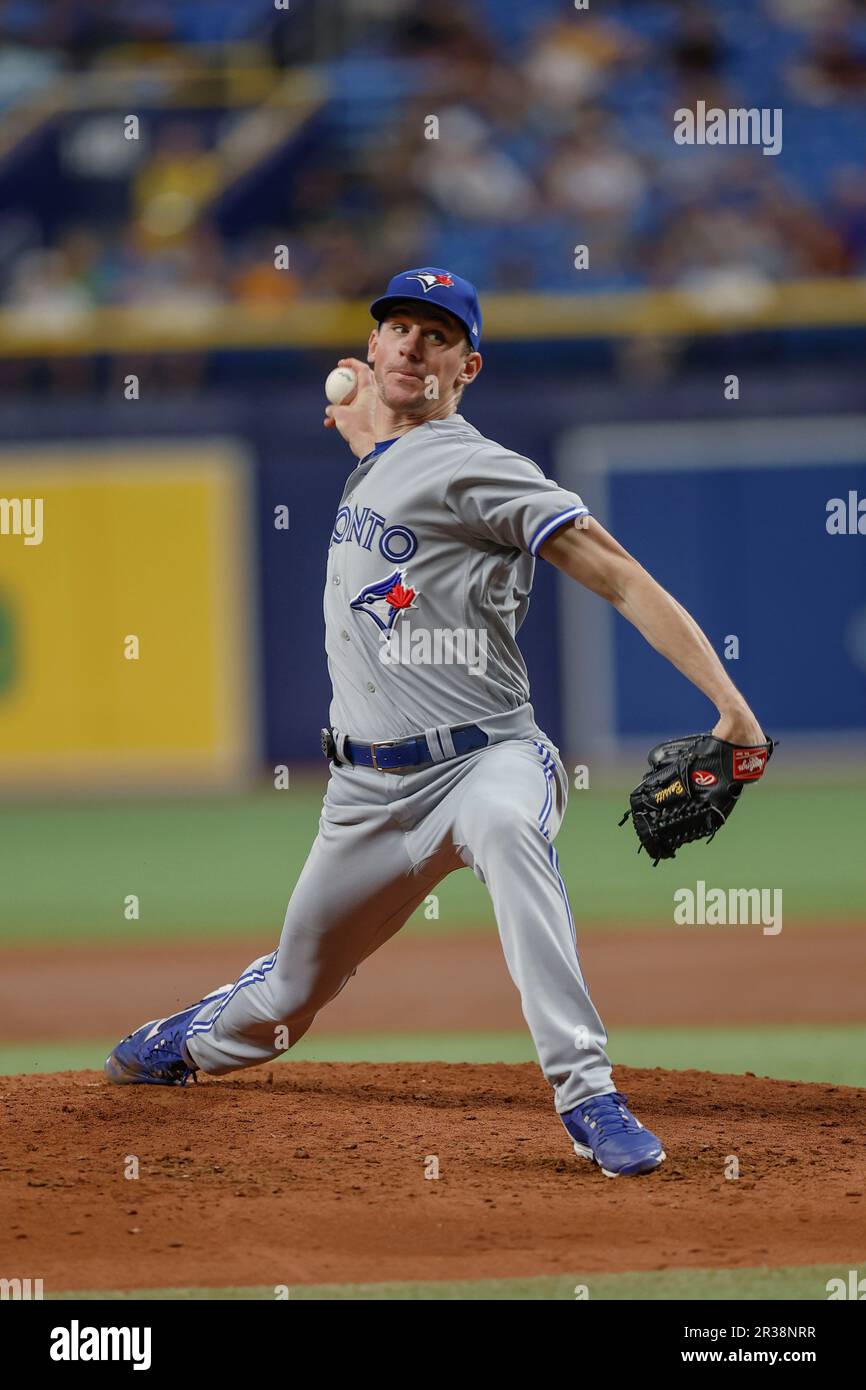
(429, 572)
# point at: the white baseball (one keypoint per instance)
(340, 385)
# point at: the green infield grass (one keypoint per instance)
(798, 1283)
(225, 865)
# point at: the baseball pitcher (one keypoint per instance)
(436, 760)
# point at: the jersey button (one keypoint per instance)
(371, 687)
(344, 634)
(336, 579)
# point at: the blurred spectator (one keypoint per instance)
(751, 216)
(333, 260)
(814, 247)
(465, 173)
(698, 56)
(44, 292)
(460, 65)
(803, 14)
(401, 236)
(570, 61)
(600, 183)
(255, 280)
(23, 72)
(171, 185)
(698, 49)
(710, 237)
(316, 192)
(447, 33)
(86, 264)
(849, 208)
(833, 67)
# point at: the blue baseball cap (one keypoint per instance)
(431, 285)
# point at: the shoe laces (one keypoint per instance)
(609, 1115)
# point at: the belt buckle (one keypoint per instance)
(388, 743)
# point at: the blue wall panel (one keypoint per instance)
(747, 553)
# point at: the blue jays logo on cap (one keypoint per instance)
(428, 279)
(436, 286)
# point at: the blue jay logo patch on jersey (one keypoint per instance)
(385, 599)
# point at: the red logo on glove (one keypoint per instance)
(703, 778)
(749, 763)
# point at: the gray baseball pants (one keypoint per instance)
(384, 843)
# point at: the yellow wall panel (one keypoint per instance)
(142, 541)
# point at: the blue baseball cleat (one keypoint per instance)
(604, 1129)
(154, 1055)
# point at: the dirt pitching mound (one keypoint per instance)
(310, 1173)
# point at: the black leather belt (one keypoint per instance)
(402, 752)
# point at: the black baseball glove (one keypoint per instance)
(692, 787)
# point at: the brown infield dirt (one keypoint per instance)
(311, 1173)
(421, 983)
